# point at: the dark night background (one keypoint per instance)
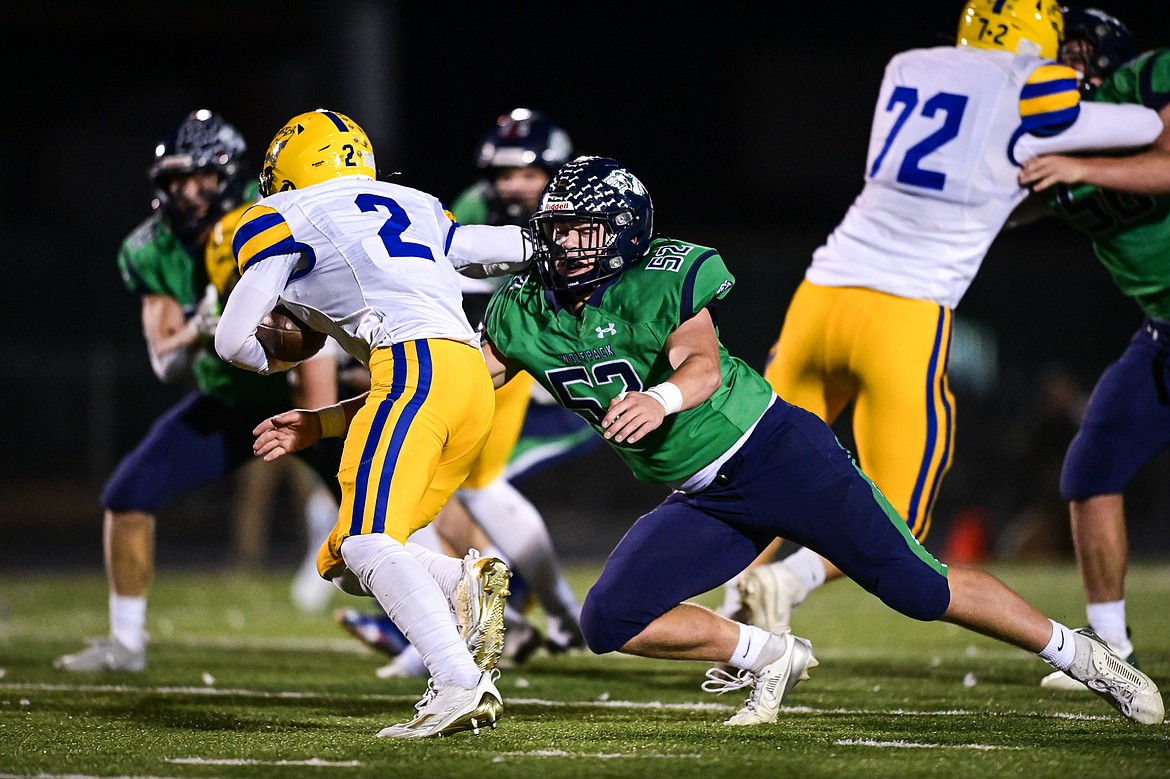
(749, 125)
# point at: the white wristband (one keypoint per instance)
(669, 395)
(333, 423)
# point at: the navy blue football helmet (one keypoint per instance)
(203, 141)
(1111, 42)
(522, 138)
(591, 192)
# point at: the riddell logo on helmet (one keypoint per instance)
(559, 205)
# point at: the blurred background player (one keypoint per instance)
(517, 155)
(1127, 420)
(870, 324)
(198, 177)
(258, 484)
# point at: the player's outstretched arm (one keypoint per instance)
(1145, 173)
(292, 431)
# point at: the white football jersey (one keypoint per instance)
(374, 266)
(951, 126)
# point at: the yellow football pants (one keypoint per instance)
(511, 406)
(413, 442)
(888, 356)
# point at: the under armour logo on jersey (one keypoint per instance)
(602, 332)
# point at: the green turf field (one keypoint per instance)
(241, 685)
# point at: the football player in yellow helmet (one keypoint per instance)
(870, 326)
(374, 265)
(1034, 27)
(313, 147)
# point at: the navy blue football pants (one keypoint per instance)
(791, 479)
(1127, 420)
(197, 440)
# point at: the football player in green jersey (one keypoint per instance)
(198, 178)
(619, 325)
(1123, 205)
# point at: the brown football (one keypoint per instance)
(286, 338)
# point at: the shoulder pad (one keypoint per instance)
(262, 231)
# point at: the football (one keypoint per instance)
(286, 338)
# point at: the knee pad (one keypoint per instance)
(606, 624)
(920, 592)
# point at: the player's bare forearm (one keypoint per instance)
(500, 369)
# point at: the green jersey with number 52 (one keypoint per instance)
(617, 344)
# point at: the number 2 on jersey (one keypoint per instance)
(910, 171)
(394, 227)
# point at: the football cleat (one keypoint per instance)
(1059, 680)
(769, 687)
(1125, 688)
(376, 631)
(452, 709)
(564, 635)
(480, 598)
(103, 654)
(521, 641)
(767, 595)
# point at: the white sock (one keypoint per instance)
(491, 550)
(411, 598)
(1060, 650)
(443, 568)
(427, 537)
(320, 517)
(128, 620)
(408, 662)
(808, 568)
(1108, 621)
(514, 525)
(748, 651)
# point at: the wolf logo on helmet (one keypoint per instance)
(313, 147)
(598, 192)
(1033, 27)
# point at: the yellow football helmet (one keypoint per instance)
(315, 147)
(222, 271)
(1033, 27)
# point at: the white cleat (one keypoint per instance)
(452, 709)
(480, 597)
(1104, 672)
(1059, 680)
(767, 594)
(769, 687)
(103, 654)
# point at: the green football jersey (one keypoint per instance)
(617, 344)
(471, 207)
(1130, 233)
(152, 260)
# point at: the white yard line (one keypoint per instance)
(517, 701)
(852, 742)
(315, 762)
